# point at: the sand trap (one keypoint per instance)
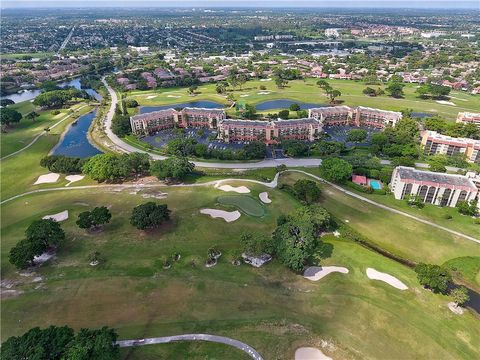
(443, 102)
(244, 95)
(237, 189)
(61, 216)
(389, 279)
(263, 93)
(47, 179)
(455, 308)
(310, 353)
(315, 273)
(74, 178)
(174, 96)
(228, 216)
(264, 197)
(269, 79)
(151, 97)
(336, 233)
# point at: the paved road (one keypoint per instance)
(41, 134)
(194, 337)
(122, 146)
(273, 184)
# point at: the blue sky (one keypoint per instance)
(245, 3)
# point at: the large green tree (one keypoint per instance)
(93, 219)
(433, 277)
(173, 168)
(336, 170)
(307, 190)
(9, 116)
(149, 215)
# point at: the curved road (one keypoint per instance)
(273, 184)
(122, 146)
(194, 337)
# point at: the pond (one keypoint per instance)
(285, 104)
(420, 115)
(27, 95)
(198, 104)
(263, 106)
(75, 141)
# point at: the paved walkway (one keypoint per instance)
(194, 337)
(122, 146)
(272, 184)
(41, 134)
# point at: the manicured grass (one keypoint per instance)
(244, 203)
(271, 308)
(19, 172)
(397, 234)
(21, 134)
(39, 55)
(308, 91)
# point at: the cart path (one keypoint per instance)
(193, 337)
(272, 184)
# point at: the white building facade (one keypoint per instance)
(431, 187)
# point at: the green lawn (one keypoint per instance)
(397, 234)
(308, 91)
(21, 134)
(244, 203)
(19, 172)
(271, 309)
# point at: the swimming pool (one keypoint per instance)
(375, 184)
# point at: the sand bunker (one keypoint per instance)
(244, 95)
(315, 273)
(264, 197)
(74, 178)
(47, 179)
(174, 96)
(389, 279)
(228, 216)
(455, 308)
(443, 102)
(269, 79)
(61, 216)
(237, 189)
(310, 353)
(151, 97)
(263, 93)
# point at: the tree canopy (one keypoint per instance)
(307, 190)
(433, 277)
(92, 219)
(149, 215)
(336, 170)
(173, 168)
(9, 116)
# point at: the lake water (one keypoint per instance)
(27, 95)
(263, 106)
(285, 104)
(198, 104)
(75, 142)
(420, 115)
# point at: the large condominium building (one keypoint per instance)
(431, 187)
(164, 119)
(359, 116)
(468, 118)
(269, 131)
(435, 143)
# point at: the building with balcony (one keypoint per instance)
(469, 118)
(431, 187)
(435, 143)
(359, 116)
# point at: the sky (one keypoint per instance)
(475, 4)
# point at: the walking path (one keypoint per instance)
(122, 146)
(194, 337)
(272, 184)
(41, 134)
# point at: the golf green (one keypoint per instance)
(245, 203)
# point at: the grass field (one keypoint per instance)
(244, 203)
(271, 309)
(19, 172)
(307, 91)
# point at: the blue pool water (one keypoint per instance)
(75, 142)
(375, 184)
